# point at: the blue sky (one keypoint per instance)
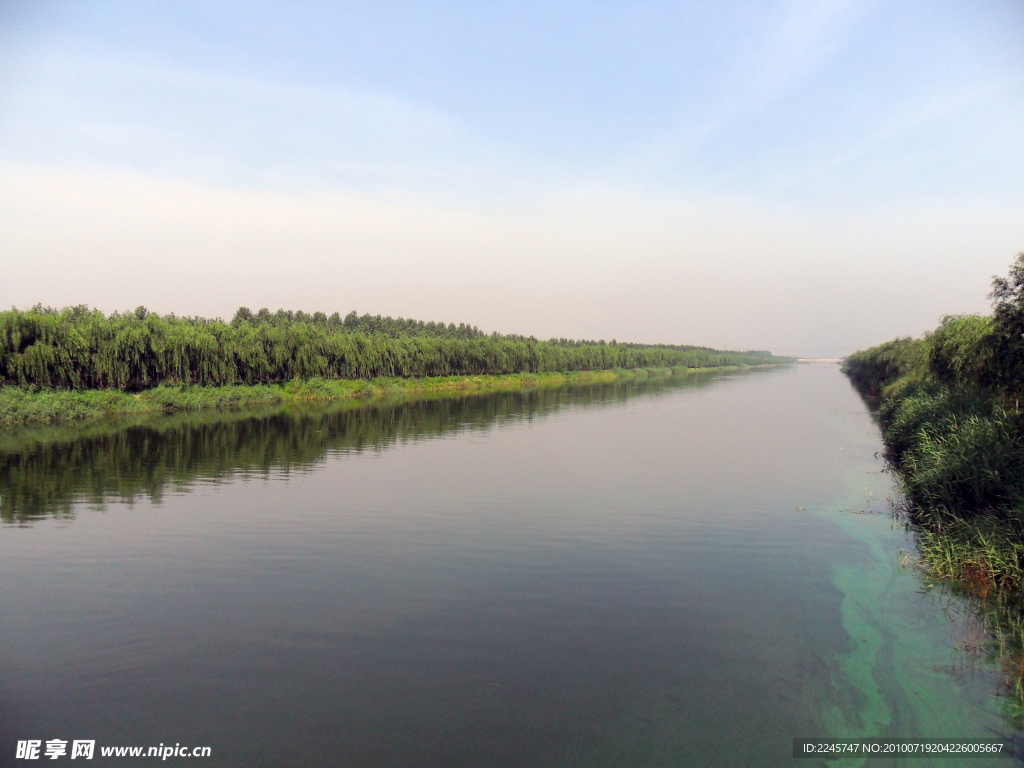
(802, 176)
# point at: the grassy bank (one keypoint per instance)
(20, 406)
(949, 406)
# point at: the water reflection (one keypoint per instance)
(45, 471)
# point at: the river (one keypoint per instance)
(679, 571)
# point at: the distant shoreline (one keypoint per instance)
(20, 407)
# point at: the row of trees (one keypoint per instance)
(980, 355)
(388, 326)
(81, 348)
(354, 322)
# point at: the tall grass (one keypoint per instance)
(957, 443)
(983, 554)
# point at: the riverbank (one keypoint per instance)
(20, 406)
(959, 461)
(949, 407)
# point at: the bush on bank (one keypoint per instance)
(950, 414)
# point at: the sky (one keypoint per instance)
(810, 177)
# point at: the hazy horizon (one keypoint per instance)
(804, 177)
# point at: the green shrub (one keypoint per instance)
(960, 351)
(949, 410)
(873, 368)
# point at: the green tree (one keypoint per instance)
(1008, 327)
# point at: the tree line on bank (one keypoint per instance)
(79, 348)
(950, 410)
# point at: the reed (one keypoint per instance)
(984, 553)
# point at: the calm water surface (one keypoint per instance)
(661, 572)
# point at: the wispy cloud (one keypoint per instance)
(799, 39)
(151, 116)
(924, 112)
(788, 47)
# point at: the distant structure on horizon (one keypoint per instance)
(819, 359)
